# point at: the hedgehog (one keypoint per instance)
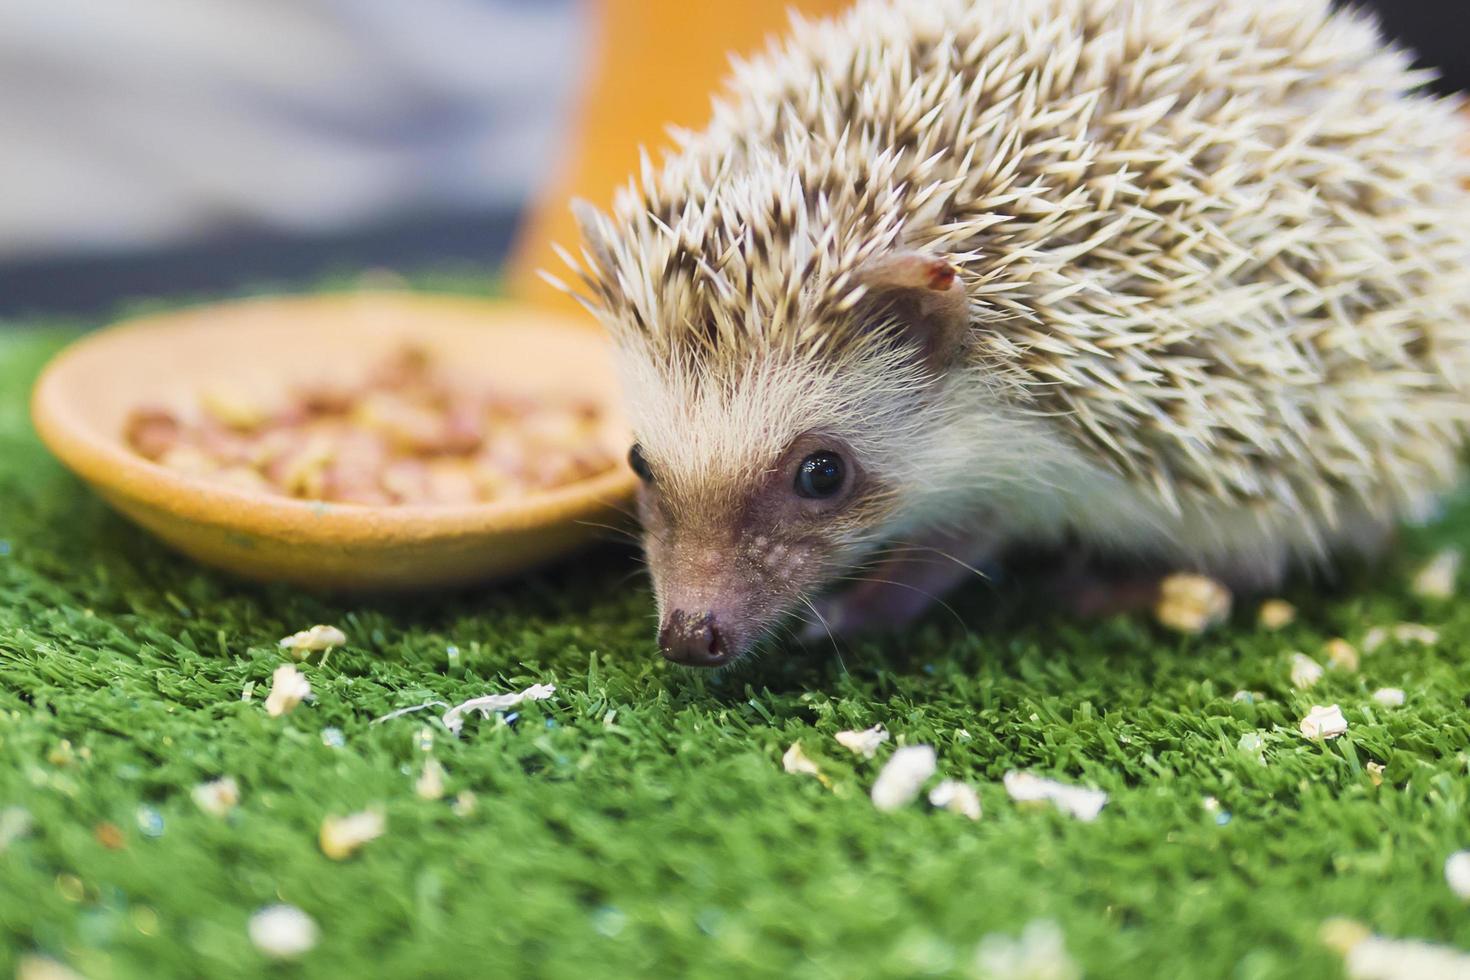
(1183, 285)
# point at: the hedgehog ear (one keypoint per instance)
(923, 294)
(594, 225)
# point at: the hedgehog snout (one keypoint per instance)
(693, 639)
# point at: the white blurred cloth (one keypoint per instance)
(149, 122)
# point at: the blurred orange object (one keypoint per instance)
(657, 63)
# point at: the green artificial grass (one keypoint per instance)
(639, 823)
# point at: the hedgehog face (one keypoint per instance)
(783, 401)
(768, 475)
(733, 551)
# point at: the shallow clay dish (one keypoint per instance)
(87, 392)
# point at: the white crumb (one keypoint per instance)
(1375, 773)
(1191, 603)
(1275, 614)
(492, 703)
(1078, 801)
(1252, 743)
(314, 640)
(1389, 697)
(15, 822)
(1304, 671)
(864, 743)
(217, 797)
(341, 836)
(1370, 957)
(796, 761)
(956, 797)
(465, 803)
(283, 932)
(1436, 580)
(903, 776)
(1324, 722)
(1403, 633)
(1341, 655)
(289, 687)
(1039, 953)
(430, 784)
(32, 967)
(1457, 874)
(1416, 633)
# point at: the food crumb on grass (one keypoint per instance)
(314, 640)
(1437, 579)
(1367, 956)
(1457, 874)
(289, 687)
(903, 775)
(957, 797)
(1390, 697)
(1038, 953)
(795, 760)
(1275, 614)
(1077, 801)
(283, 932)
(864, 743)
(430, 784)
(1190, 603)
(1324, 722)
(31, 967)
(1406, 633)
(1341, 655)
(1305, 672)
(341, 837)
(217, 797)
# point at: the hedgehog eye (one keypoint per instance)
(638, 464)
(820, 475)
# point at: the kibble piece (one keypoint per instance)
(956, 797)
(1416, 633)
(31, 967)
(217, 798)
(864, 743)
(1389, 697)
(1191, 603)
(1436, 580)
(1341, 655)
(1457, 874)
(902, 777)
(1305, 672)
(1324, 722)
(1276, 614)
(314, 640)
(797, 761)
(340, 837)
(233, 408)
(283, 932)
(1078, 801)
(152, 432)
(430, 784)
(289, 687)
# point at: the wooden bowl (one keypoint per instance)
(85, 395)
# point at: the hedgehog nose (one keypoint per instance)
(692, 640)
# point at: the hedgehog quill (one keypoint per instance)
(1179, 282)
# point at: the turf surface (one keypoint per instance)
(639, 823)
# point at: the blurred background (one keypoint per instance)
(195, 147)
